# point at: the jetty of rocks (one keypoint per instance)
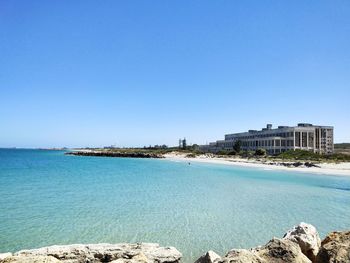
(300, 244)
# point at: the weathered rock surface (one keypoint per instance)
(209, 257)
(301, 244)
(30, 259)
(335, 248)
(281, 250)
(120, 253)
(276, 250)
(242, 256)
(5, 255)
(307, 237)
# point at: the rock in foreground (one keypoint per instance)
(276, 250)
(306, 236)
(117, 253)
(301, 244)
(335, 248)
(30, 259)
(209, 257)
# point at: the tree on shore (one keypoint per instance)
(237, 146)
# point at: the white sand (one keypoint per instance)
(325, 168)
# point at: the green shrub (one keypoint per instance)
(237, 146)
(299, 155)
(307, 155)
(260, 152)
(247, 154)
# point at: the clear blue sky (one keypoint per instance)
(134, 73)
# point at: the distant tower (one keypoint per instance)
(184, 143)
(180, 143)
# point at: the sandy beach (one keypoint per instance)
(324, 168)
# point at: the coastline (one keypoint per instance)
(338, 169)
(330, 168)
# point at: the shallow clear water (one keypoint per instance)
(49, 198)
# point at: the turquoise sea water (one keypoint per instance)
(49, 198)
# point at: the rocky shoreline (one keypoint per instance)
(301, 244)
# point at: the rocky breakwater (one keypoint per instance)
(94, 253)
(116, 154)
(301, 244)
(294, 164)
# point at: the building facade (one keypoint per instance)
(304, 136)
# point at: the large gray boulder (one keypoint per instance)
(335, 248)
(307, 237)
(121, 253)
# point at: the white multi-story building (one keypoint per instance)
(305, 136)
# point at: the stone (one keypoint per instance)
(242, 256)
(209, 257)
(335, 248)
(307, 237)
(30, 259)
(276, 251)
(140, 258)
(282, 250)
(124, 252)
(5, 255)
(164, 254)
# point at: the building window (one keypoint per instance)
(304, 139)
(297, 139)
(311, 139)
